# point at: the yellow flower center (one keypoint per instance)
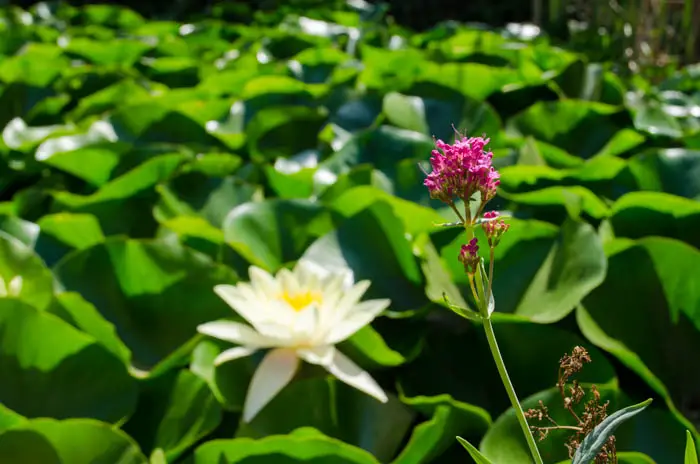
(301, 300)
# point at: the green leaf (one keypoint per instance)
(72, 308)
(433, 110)
(474, 452)
(540, 273)
(655, 433)
(127, 185)
(579, 127)
(49, 441)
(555, 203)
(671, 170)
(647, 282)
(691, 456)
(293, 448)
(154, 293)
(405, 111)
(449, 340)
(9, 418)
(369, 350)
(337, 410)
(626, 457)
(596, 439)
(274, 232)
(373, 245)
(640, 214)
(574, 266)
(284, 131)
(415, 218)
(448, 418)
(52, 369)
(64, 232)
(17, 259)
(24, 231)
(174, 412)
(123, 52)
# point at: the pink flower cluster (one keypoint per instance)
(461, 170)
(469, 256)
(494, 228)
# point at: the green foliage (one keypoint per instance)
(145, 162)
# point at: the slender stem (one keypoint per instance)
(454, 208)
(500, 365)
(490, 272)
(558, 427)
(474, 293)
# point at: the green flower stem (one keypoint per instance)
(500, 365)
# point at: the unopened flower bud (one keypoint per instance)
(469, 256)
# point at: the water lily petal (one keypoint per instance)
(361, 314)
(350, 298)
(274, 372)
(252, 311)
(236, 332)
(321, 355)
(233, 353)
(263, 283)
(288, 281)
(305, 325)
(341, 367)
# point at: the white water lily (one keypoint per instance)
(300, 314)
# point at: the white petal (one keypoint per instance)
(263, 282)
(236, 332)
(360, 315)
(233, 353)
(306, 323)
(344, 370)
(274, 372)
(350, 298)
(288, 281)
(252, 311)
(321, 355)
(15, 286)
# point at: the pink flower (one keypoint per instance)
(462, 169)
(469, 256)
(494, 228)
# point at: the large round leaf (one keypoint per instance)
(174, 412)
(154, 293)
(372, 244)
(51, 369)
(672, 170)
(337, 410)
(640, 214)
(580, 127)
(274, 232)
(74, 441)
(651, 284)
